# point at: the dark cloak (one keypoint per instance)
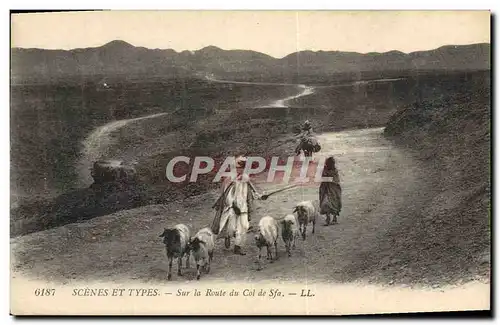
(330, 193)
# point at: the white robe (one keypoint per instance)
(231, 224)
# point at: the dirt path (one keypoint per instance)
(306, 90)
(375, 177)
(303, 90)
(97, 142)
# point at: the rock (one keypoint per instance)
(104, 171)
(391, 282)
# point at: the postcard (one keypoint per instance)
(250, 162)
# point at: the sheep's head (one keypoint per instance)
(259, 241)
(286, 228)
(194, 243)
(171, 237)
(287, 224)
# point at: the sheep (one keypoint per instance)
(176, 242)
(289, 232)
(202, 248)
(267, 235)
(307, 213)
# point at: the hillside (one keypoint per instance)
(118, 59)
(451, 226)
(231, 127)
(227, 122)
(415, 209)
(49, 122)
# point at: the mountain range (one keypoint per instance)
(118, 58)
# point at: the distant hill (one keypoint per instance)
(119, 58)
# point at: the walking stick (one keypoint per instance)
(267, 195)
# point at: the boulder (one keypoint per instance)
(107, 171)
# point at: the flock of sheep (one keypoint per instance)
(179, 243)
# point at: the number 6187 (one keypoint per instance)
(44, 292)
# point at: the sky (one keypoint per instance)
(277, 33)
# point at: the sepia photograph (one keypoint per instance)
(244, 162)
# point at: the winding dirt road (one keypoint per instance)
(95, 145)
(376, 178)
(303, 90)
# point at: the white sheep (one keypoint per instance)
(307, 213)
(176, 242)
(202, 248)
(267, 235)
(289, 232)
